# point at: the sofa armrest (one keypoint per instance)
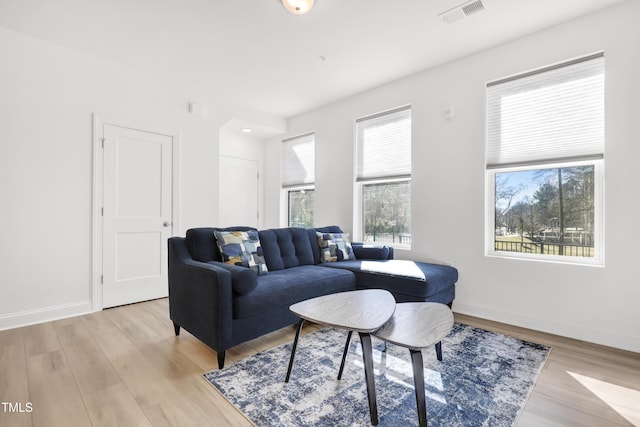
(243, 279)
(200, 296)
(372, 251)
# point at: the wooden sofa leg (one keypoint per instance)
(221, 355)
(176, 328)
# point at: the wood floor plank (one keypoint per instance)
(529, 419)
(125, 366)
(203, 356)
(144, 381)
(89, 365)
(53, 390)
(40, 338)
(173, 363)
(11, 337)
(141, 325)
(210, 403)
(55, 395)
(14, 384)
(114, 406)
(176, 410)
(16, 394)
(13, 362)
(573, 413)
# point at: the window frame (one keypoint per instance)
(598, 229)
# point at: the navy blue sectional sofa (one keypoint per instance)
(224, 305)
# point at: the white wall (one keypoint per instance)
(597, 304)
(48, 95)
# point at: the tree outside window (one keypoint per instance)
(387, 212)
(301, 208)
(546, 211)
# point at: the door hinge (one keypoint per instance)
(103, 142)
(102, 211)
(101, 279)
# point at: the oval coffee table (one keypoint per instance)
(418, 325)
(363, 311)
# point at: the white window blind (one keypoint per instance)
(384, 145)
(549, 115)
(298, 160)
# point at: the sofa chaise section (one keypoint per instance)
(408, 281)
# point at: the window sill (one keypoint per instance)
(568, 260)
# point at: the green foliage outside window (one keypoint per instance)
(548, 211)
(301, 208)
(387, 212)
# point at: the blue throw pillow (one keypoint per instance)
(371, 251)
(242, 248)
(335, 247)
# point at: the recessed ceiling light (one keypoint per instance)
(246, 130)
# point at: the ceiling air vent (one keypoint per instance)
(462, 10)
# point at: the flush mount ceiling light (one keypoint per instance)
(298, 7)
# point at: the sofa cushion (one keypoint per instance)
(286, 248)
(282, 288)
(202, 243)
(335, 247)
(241, 248)
(243, 280)
(370, 251)
(406, 280)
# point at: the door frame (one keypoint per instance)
(99, 123)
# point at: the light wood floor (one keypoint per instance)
(125, 367)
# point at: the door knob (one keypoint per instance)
(166, 224)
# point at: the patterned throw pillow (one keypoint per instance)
(242, 248)
(335, 247)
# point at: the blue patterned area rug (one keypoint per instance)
(484, 379)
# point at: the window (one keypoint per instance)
(300, 204)
(383, 147)
(298, 175)
(545, 161)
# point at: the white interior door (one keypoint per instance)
(238, 192)
(137, 216)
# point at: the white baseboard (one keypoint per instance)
(45, 314)
(596, 336)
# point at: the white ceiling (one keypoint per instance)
(254, 53)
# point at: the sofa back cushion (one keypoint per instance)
(202, 244)
(286, 248)
(282, 247)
